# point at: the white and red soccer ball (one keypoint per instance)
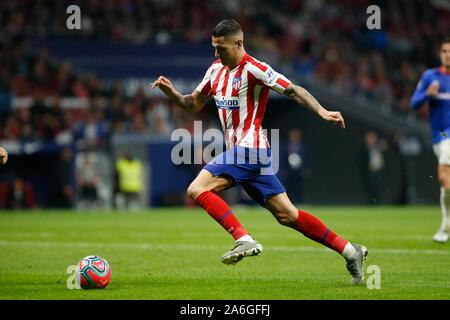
(93, 272)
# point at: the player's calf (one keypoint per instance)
(287, 219)
(283, 210)
(205, 181)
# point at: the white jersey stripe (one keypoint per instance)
(257, 91)
(242, 111)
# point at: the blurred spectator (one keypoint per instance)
(297, 169)
(409, 149)
(87, 181)
(372, 166)
(62, 192)
(129, 175)
(20, 194)
(94, 133)
(158, 115)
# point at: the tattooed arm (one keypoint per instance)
(193, 102)
(303, 97)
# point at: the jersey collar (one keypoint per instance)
(443, 71)
(243, 61)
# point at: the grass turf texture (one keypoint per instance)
(170, 254)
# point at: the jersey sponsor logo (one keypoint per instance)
(236, 83)
(227, 103)
(443, 96)
(270, 76)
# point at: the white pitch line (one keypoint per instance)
(134, 234)
(147, 246)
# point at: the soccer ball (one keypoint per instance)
(93, 272)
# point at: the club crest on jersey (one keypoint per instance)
(227, 103)
(236, 83)
(270, 76)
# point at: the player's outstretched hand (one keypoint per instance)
(3, 156)
(334, 117)
(164, 84)
(433, 89)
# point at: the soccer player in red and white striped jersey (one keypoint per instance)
(240, 85)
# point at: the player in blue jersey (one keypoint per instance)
(434, 88)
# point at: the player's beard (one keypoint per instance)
(223, 61)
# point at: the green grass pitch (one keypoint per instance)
(171, 254)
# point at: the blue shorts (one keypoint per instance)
(250, 168)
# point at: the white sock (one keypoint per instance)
(349, 250)
(445, 209)
(246, 238)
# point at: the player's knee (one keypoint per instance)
(192, 191)
(444, 178)
(286, 219)
(445, 182)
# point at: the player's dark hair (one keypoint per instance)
(226, 27)
(445, 40)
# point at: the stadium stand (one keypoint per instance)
(53, 90)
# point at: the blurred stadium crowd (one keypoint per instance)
(326, 40)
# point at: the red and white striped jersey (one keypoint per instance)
(241, 97)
